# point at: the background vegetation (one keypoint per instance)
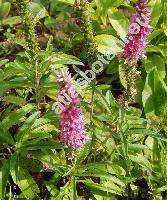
(126, 157)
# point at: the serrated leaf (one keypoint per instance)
(15, 117)
(52, 189)
(47, 128)
(142, 161)
(27, 126)
(108, 44)
(65, 59)
(47, 156)
(27, 184)
(14, 100)
(107, 187)
(35, 145)
(84, 152)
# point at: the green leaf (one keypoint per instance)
(152, 48)
(27, 126)
(107, 187)
(52, 189)
(103, 100)
(35, 145)
(123, 130)
(154, 95)
(39, 123)
(108, 44)
(142, 161)
(38, 11)
(51, 23)
(136, 147)
(65, 59)
(1, 193)
(43, 131)
(62, 193)
(115, 169)
(107, 167)
(163, 188)
(12, 20)
(73, 188)
(165, 18)
(3, 62)
(4, 175)
(38, 130)
(154, 34)
(158, 62)
(27, 184)
(84, 152)
(5, 137)
(119, 22)
(47, 156)
(103, 6)
(15, 117)
(4, 9)
(20, 82)
(156, 9)
(14, 163)
(14, 100)
(70, 2)
(146, 132)
(104, 176)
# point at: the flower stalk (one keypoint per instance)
(135, 44)
(31, 41)
(84, 15)
(139, 30)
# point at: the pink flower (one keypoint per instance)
(139, 30)
(47, 167)
(72, 125)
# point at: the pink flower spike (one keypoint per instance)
(139, 30)
(72, 124)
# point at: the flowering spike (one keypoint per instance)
(71, 117)
(138, 32)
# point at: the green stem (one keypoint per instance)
(31, 42)
(92, 102)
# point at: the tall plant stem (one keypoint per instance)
(88, 33)
(31, 42)
(92, 101)
(130, 78)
